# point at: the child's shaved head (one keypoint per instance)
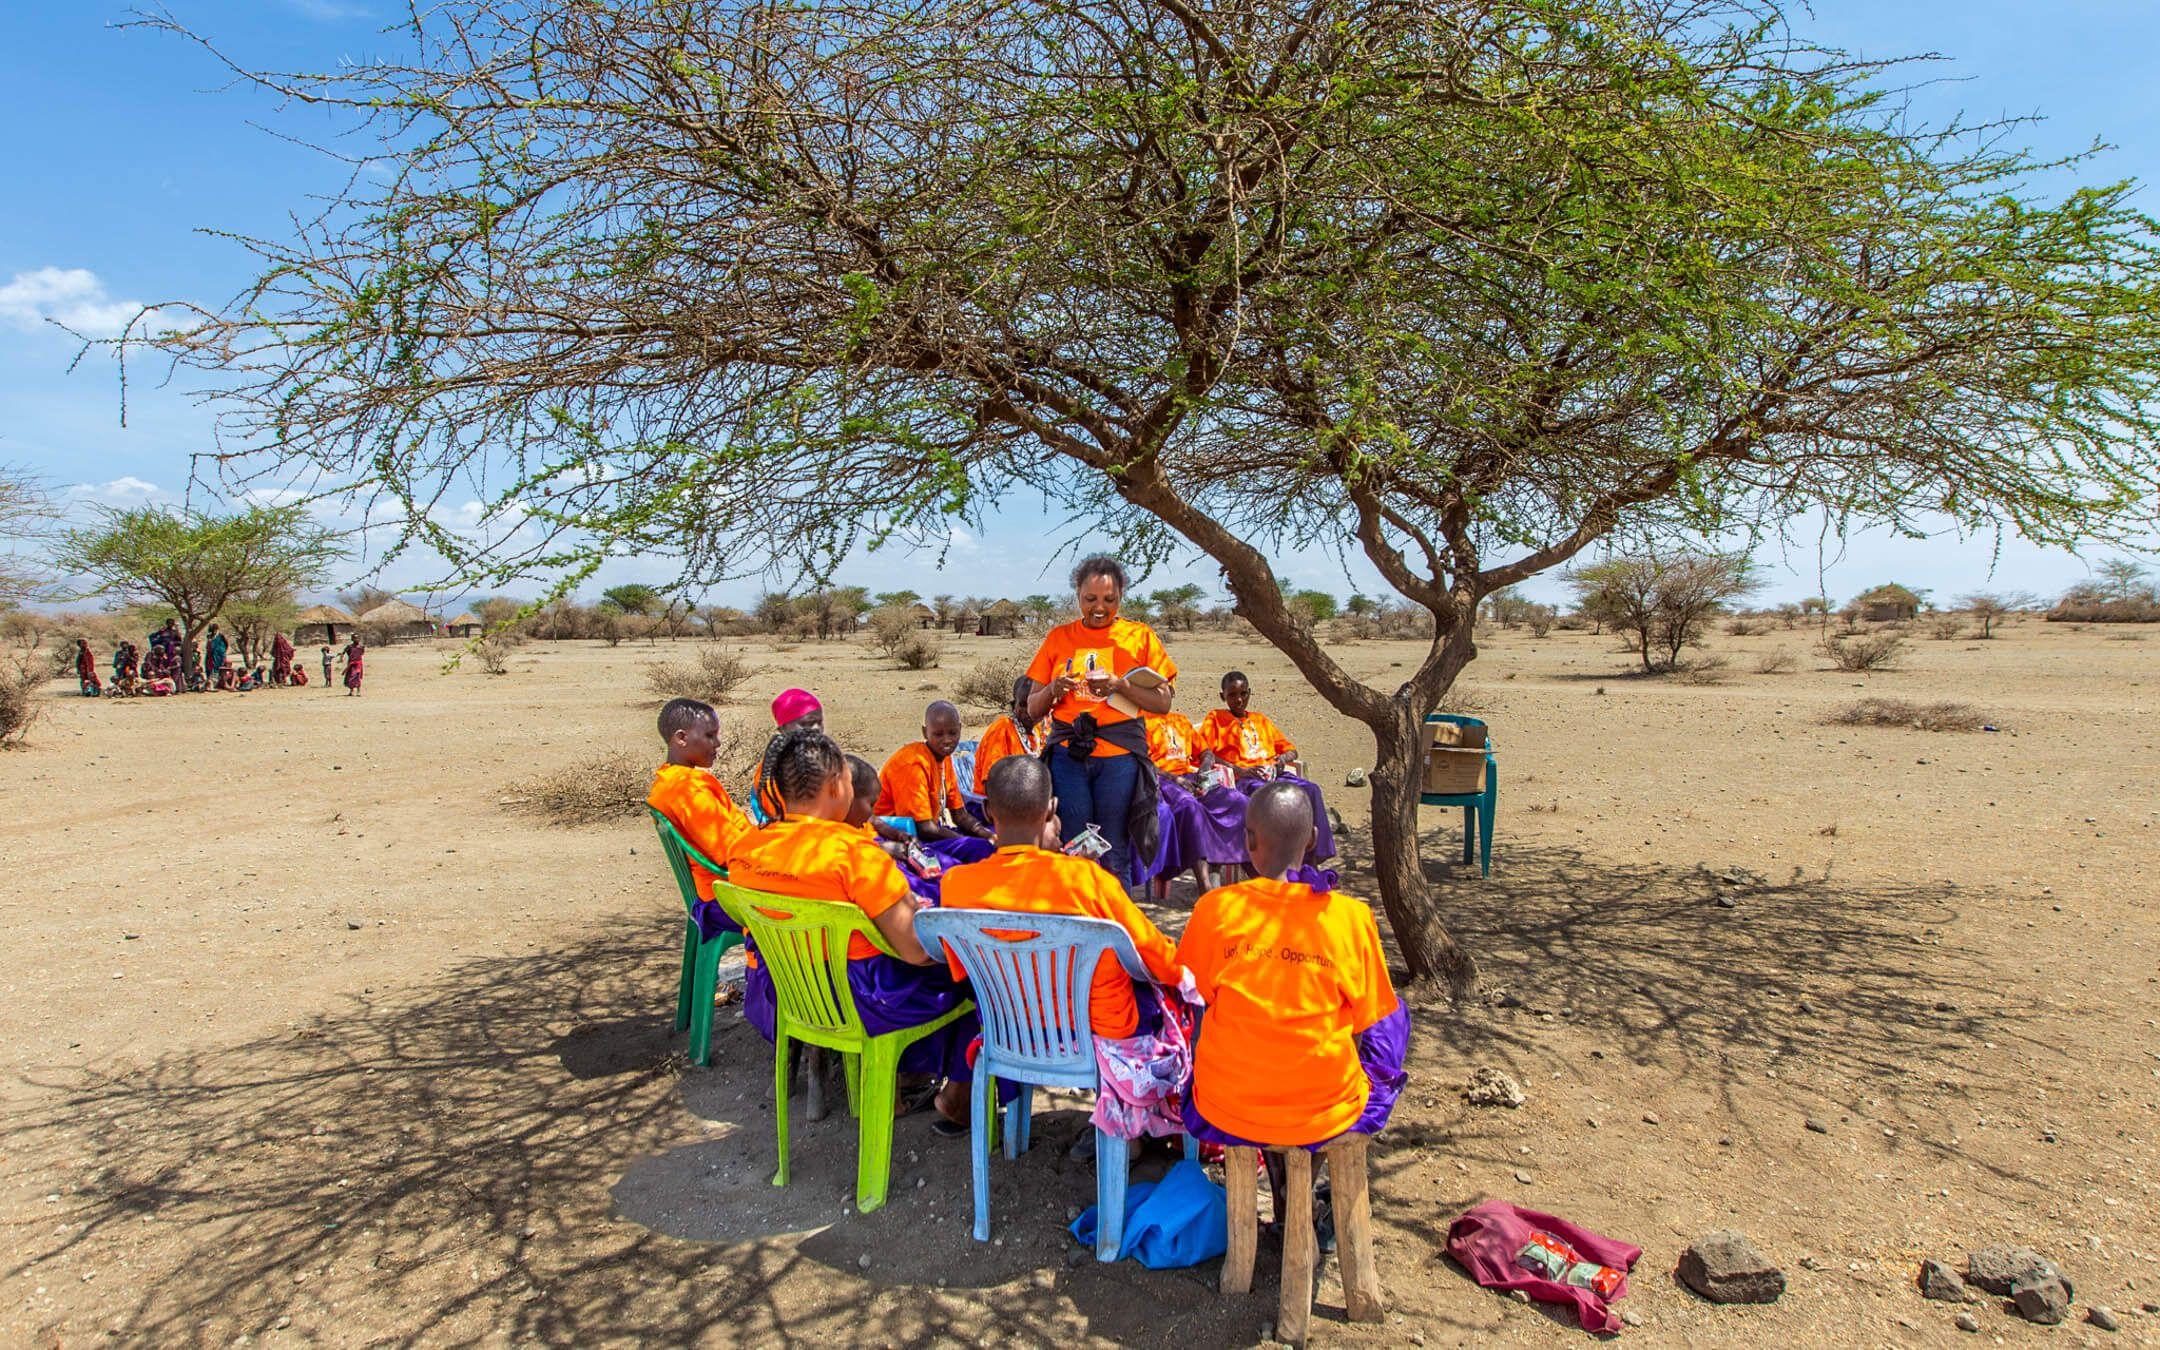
(685, 714)
(1017, 791)
(1278, 828)
(866, 779)
(941, 712)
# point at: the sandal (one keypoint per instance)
(912, 1101)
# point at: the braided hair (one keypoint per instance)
(798, 762)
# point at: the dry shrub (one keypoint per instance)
(2105, 611)
(710, 675)
(1744, 626)
(1467, 699)
(919, 651)
(889, 629)
(19, 683)
(606, 788)
(1864, 651)
(1945, 627)
(1899, 712)
(1700, 670)
(1540, 619)
(494, 654)
(988, 687)
(1777, 662)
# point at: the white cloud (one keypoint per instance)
(72, 297)
(126, 488)
(327, 11)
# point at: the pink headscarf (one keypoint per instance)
(793, 703)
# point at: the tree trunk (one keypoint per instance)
(1407, 897)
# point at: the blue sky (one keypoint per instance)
(125, 145)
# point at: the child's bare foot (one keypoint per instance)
(952, 1109)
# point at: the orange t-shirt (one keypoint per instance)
(813, 859)
(1250, 742)
(1291, 976)
(701, 811)
(1002, 739)
(1074, 649)
(917, 784)
(1025, 879)
(1172, 743)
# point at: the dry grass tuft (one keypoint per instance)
(919, 651)
(1854, 652)
(1779, 661)
(1699, 670)
(988, 687)
(597, 791)
(494, 653)
(19, 682)
(1468, 699)
(710, 675)
(1899, 712)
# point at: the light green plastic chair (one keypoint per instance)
(700, 956)
(803, 945)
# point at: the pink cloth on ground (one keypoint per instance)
(1486, 1239)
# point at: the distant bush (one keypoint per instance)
(710, 675)
(19, 681)
(1775, 662)
(1898, 712)
(494, 654)
(607, 787)
(1744, 626)
(1944, 627)
(1540, 619)
(1864, 651)
(1706, 669)
(920, 651)
(889, 629)
(2104, 611)
(1466, 699)
(988, 687)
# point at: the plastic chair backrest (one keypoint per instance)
(680, 854)
(804, 946)
(1032, 975)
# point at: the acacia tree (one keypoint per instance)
(196, 563)
(1461, 287)
(27, 516)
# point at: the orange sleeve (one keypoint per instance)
(1196, 947)
(1368, 993)
(714, 821)
(1048, 657)
(1205, 735)
(996, 743)
(1158, 953)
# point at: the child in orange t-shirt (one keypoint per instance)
(1028, 875)
(810, 851)
(1257, 751)
(1201, 823)
(1011, 734)
(921, 784)
(694, 801)
(1304, 1038)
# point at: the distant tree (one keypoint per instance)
(1179, 606)
(1362, 606)
(1041, 610)
(1815, 604)
(831, 611)
(899, 599)
(1313, 606)
(1139, 608)
(1664, 601)
(2125, 579)
(1508, 607)
(773, 611)
(942, 607)
(27, 516)
(255, 619)
(360, 599)
(632, 598)
(195, 563)
(497, 612)
(1990, 606)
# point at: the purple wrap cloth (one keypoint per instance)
(712, 920)
(1323, 845)
(890, 995)
(954, 852)
(1206, 828)
(1382, 1049)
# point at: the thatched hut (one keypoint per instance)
(921, 615)
(320, 624)
(396, 620)
(1889, 603)
(463, 626)
(999, 619)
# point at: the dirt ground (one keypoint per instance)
(306, 1038)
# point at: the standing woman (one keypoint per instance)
(1097, 748)
(355, 653)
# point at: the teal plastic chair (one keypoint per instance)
(1033, 976)
(700, 955)
(803, 945)
(1479, 808)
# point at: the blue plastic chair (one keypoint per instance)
(1479, 808)
(1033, 975)
(963, 760)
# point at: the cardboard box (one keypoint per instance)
(1454, 759)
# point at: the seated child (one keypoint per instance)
(694, 801)
(808, 850)
(297, 677)
(895, 844)
(920, 784)
(1012, 734)
(1201, 822)
(1028, 875)
(1304, 1038)
(1251, 745)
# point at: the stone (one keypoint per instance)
(1816, 1126)
(1354, 778)
(1649, 1118)
(2103, 1319)
(1724, 1267)
(1631, 1317)
(1938, 1281)
(1998, 1269)
(863, 1261)
(1522, 1176)
(1491, 1087)
(2042, 1297)
(1967, 1322)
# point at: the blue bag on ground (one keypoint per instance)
(1181, 1220)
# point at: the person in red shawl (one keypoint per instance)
(86, 669)
(354, 651)
(281, 655)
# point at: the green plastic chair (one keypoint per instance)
(803, 945)
(700, 956)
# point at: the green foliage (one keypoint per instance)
(1313, 606)
(196, 563)
(633, 598)
(1664, 599)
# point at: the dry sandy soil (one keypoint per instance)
(309, 1039)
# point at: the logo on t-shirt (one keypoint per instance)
(1081, 664)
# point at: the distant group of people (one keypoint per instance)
(1088, 787)
(175, 664)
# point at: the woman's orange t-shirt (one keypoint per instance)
(1250, 742)
(1291, 976)
(1172, 743)
(702, 812)
(1029, 880)
(1074, 649)
(813, 859)
(1004, 738)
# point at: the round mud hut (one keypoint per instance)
(397, 621)
(319, 624)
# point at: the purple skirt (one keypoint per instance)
(955, 852)
(1382, 1048)
(890, 995)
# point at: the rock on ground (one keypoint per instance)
(1997, 1269)
(1939, 1281)
(2103, 1319)
(1724, 1267)
(2042, 1296)
(1491, 1087)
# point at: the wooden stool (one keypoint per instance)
(1353, 1232)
